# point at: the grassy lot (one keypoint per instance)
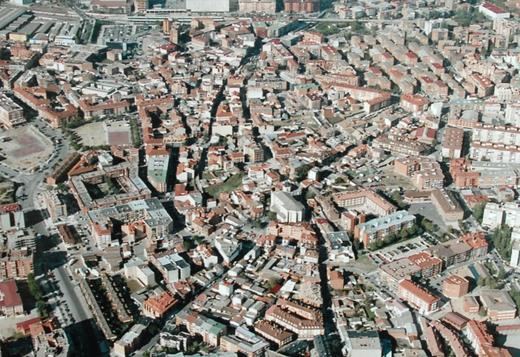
(229, 185)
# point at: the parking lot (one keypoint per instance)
(400, 250)
(427, 209)
(120, 33)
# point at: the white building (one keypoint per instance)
(496, 134)
(485, 151)
(157, 171)
(211, 5)
(362, 343)
(493, 215)
(137, 269)
(492, 11)
(228, 249)
(496, 215)
(11, 216)
(286, 207)
(173, 267)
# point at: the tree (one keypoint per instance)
(427, 225)
(412, 231)
(358, 27)
(302, 171)
(501, 238)
(271, 215)
(478, 211)
(501, 274)
(62, 187)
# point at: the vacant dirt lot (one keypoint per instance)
(25, 147)
(92, 134)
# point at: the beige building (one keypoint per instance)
(55, 205)
(11, 114)
(267, 6)
(498, 304)
(447, 206)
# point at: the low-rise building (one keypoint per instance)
(130, 341)
(156, 306)
(244, 342)
(498, 304)
(10, 299)
(362, 343)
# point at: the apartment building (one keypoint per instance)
(425, 173)
(414, 103)
(12, 216)
(157, 168)
(495, 215)
(379, 228)
(447, 206)
(455, 286)
(305, 6)
(362, 343)
(274, 333)
(485, 151)
(10, 299)
(482, 340)
(56, 206)
(130, 341)
(452, 143)
(304, 321)
(418, 297)
(244, 342)
(16, 264)
(365, 201)
(11, 114)
(265, 6)
(210, 330)
(496, 134)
